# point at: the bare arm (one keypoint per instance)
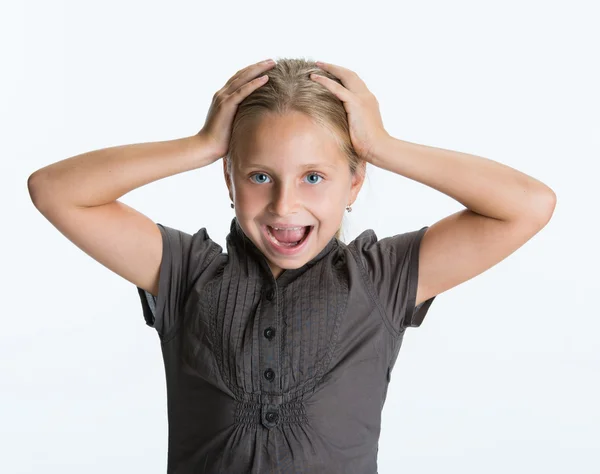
(79, 197)
(102, 176)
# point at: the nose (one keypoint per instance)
(284, 199)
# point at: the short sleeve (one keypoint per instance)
(392, 268)
(184, 258)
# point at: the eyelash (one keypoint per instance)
(308, 174)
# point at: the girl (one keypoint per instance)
(279, 352)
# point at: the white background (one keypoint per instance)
(503, 374)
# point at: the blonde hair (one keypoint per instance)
(288, 89)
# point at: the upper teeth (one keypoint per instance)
(288, 228)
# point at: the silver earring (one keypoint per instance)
(232, 206)
(349, 208)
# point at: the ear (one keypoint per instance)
(357, 180)
(227, 179)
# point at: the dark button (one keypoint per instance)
(269, 374)
(269, 333)
(270, 294)
(272, 417)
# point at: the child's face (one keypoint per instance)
(272, 183)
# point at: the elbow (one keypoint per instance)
(544, 206)
(34, 186)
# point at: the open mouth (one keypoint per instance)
(273, 239)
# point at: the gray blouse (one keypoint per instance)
(285, 375)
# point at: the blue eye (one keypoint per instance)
(258, 174)
(315, 174)
(263, 174)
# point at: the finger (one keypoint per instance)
(240, 71)
(337, 89)
(245, 90)
(349, 78)
(247, 74)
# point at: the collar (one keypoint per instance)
(240, 244)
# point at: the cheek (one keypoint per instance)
(252, 192)
(332, 195)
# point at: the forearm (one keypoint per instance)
(480, 184)
(102, 176)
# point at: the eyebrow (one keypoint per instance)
(305, 166)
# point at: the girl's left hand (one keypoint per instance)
(364, 119)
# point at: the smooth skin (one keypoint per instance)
(504, 207)
(310, 187)
(79, 195)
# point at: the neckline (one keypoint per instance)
(242, 244)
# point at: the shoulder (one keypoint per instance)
(370, 249)
(188, 255)
(391, 267)
(184, 242)
(364, 239)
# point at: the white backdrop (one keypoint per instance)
(503, 374)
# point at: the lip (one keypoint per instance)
(287, 251)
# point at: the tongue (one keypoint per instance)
(288, 236)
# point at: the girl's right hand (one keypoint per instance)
(219, 120)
